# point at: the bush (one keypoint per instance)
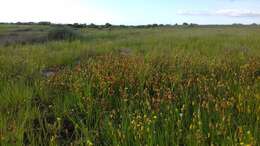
(44, 23)
(63, 33)
(108, 25)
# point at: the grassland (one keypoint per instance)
(160, 86)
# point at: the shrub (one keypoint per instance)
(44, 23)
(92, 25)
(63, 33)
(108, 25)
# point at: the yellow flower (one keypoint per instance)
(89, 143)
(52, 138)
(248, 132)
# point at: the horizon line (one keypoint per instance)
(60, 23)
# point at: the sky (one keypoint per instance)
(131, 12)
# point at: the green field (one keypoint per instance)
(161, 86)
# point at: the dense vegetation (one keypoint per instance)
(133, 86)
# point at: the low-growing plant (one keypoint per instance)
(63, 33)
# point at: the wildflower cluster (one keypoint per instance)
(208, 95)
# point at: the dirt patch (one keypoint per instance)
(125, 51)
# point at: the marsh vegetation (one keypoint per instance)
(132, 86)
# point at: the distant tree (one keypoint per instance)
(77, 25)
(253, 24)
(122, 26)
(149, 25)
(108, 25)
(193, 25)
(44, 23)
(92, 25)
(161, 25)
(24, 23)
(139, 26)
(155, 25)
(237, 24)
(19, 23)
(185, 24)
(30, 23)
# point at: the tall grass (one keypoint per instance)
(167, 86)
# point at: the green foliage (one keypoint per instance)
(166, 86)
(108, 25)
(63, 33)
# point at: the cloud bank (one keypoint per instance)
(222, 12)
(58, 11)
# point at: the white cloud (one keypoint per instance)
(199, 13)
(59, 11)
(237, 13)
(223, 12)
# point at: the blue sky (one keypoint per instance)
(132, 12)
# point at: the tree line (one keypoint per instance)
(108, 25)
